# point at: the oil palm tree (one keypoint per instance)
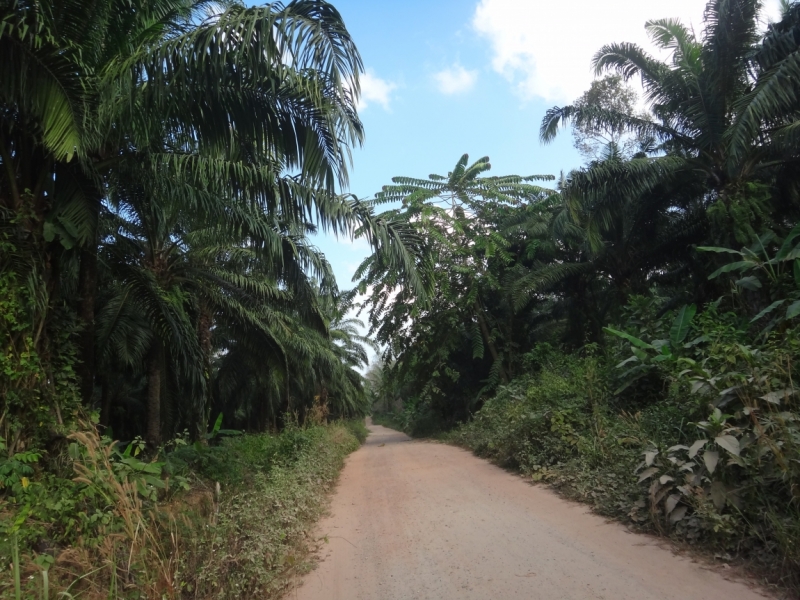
(226, 100)
(181, 274)
(720, 123)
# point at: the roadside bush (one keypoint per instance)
(710, 456)
(358, 428)
(225, 520)
(249, 535)
(388, 419)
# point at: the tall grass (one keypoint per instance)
(241, 529)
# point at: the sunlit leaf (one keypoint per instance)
(711, 458)
(729, 443)
(647, 473)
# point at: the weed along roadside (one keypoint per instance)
(719, 486)
(226, 519)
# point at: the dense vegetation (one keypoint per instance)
(229, 520)
(628, 333)
(162, 166)
(631, 335)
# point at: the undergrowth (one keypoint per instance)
(226, 519)
(389, 419)
(725, 482)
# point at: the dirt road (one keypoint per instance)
(419, 520)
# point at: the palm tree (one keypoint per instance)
(721, 125)
(228, 100)
(53, 56)
(441, 208)
(456, 217)
(188, 273)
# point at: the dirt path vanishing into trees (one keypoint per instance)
(426, 521)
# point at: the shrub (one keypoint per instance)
(711, 457)
(227, 520)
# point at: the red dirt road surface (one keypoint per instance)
(426, 521)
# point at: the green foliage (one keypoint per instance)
(158, 525)
(27, 380)
(388, 419)
(159, 243)
(358, 428)
(710, 458)
(276, 504)
(462, 218)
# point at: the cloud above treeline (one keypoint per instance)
(375, 90)
(455, 80)
(545, 48)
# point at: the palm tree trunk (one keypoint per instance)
(154, 397)
(87, 282)
(204, 322)
(105, 403)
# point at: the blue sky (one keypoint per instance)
(447, 77)
(415, 129)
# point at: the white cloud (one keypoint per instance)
(545, 48)
(455, 80)
(374, 89)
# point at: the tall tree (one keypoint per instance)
(457, 217)
(719, 121)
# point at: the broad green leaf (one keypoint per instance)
(49, 231)
(794, 254)
(67, 242)
(626, 361)
(155, 482)
(672, 502)
(767, 310)
(749, 283)
(626, 336)
(647, 473)
(678, 513)
(695, 448)
(787, 245)
(729, 443)
(230, 432)
(711, 458)
(760, 245)
(69, 227)
(217, 424)
(697, 340)
(718, 494)
(680, 326)
(718, 250)
(793, 310)
(776, 397)
(697, 386)
(742, 265)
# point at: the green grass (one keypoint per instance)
(258, 535)
(390, 420)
